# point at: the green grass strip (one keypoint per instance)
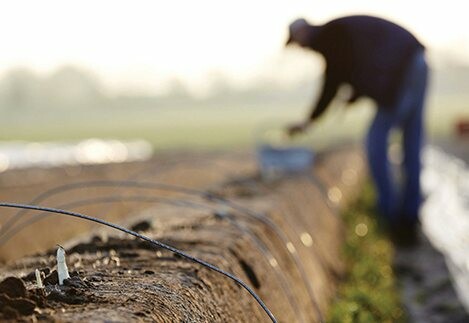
(368, 292)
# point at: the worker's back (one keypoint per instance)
(369, 53)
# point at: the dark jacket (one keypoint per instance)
(369, 53)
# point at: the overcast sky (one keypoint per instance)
(139, 45)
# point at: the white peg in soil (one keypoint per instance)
(38, 279)
(62, 269)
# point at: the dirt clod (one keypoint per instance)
(38, 296)
(19, 305)
(13, 287)
(9, 313)
(68, 295)
(75, 282)
(141, 226)
(52, 278)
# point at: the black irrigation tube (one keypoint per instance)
(194, 192)
(100, 183)
(175, 202)
(265, 251)
(323, 263)
(129, 184)
(313, 180)
(98, 200)
(285, 240)
(156, 243)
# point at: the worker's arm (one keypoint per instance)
(329, 90)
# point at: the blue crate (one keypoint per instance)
(278, 161)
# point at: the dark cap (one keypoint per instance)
(293, 28)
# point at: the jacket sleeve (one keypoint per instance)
(329, 90)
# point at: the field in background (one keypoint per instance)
(71, 104)
(212, 126)
(175, 127)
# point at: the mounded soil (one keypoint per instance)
(281, 237)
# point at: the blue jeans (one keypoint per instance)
(400, 203)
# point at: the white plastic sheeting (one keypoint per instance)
(445, 213)
(90, 151)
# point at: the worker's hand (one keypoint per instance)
(297, 128)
